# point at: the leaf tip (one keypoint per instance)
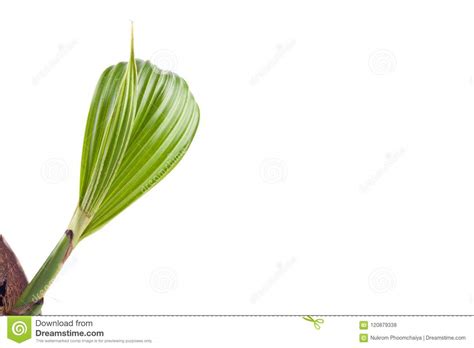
(132, 41)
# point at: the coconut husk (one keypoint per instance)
(12, 278)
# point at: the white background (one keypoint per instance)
(332, 171)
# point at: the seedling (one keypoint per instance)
(141, 123)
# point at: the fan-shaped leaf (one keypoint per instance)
(108, 132)
(160, 129)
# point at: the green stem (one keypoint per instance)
(31, 299)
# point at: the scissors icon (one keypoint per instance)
(316, 322)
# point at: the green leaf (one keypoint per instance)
(141, 123)
(108, 131)
(133, 138)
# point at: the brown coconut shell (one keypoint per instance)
(12, 278)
